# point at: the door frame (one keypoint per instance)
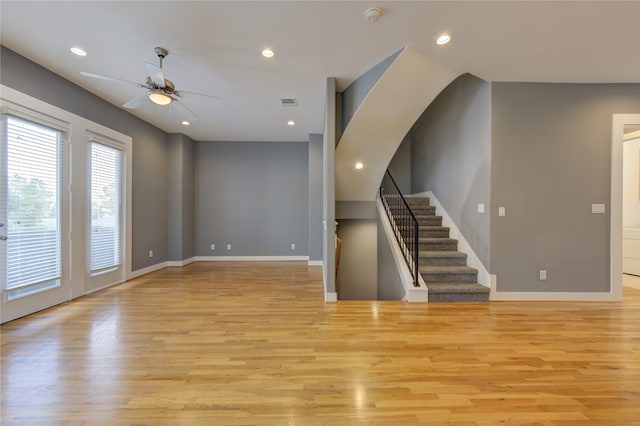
(615, 240)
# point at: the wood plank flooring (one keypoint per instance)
(235, 343)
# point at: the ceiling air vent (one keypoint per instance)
(289, 102)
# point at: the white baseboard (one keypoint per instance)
(249, 258)
(181, 262)
(330, 297)
(530, 296)
(316, 263)
(472, 259)
(147, 270)
(546, 296)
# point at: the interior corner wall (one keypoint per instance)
(451, 157)
(315, 197)
(253, 196)
(150, 154)
(551, 160)
(180, 208)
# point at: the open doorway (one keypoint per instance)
(625, 201)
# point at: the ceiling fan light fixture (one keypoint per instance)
(160, 98)
(78, 51)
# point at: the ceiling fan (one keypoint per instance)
(158, 89)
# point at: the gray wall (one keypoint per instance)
(150, 157)
(354, 94)
(357, 272)
(315, 197)
(252, 195)
(180, 198)
(551, 161)
(451, 156)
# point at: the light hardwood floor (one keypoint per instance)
(254, 344)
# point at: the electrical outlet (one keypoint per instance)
(543, 274)
(293, 246)
(213, 247)
(228, 246)
(150, 253)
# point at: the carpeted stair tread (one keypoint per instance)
(453, 270)
(437, 240)
(442, 254)
(442, 258)
(442, 266)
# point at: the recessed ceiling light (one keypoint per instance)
(78, 51)
(443, 39)
(185, 123)
(291, 123)
(267, 53)
(359, 165)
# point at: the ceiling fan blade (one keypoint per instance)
(156, 74)
(181, 109)
(104, 77)
(187, 94)
(135, 102)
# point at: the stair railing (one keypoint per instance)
(403, 221)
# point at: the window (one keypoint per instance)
(106, 224)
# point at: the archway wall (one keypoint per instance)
(381, 121)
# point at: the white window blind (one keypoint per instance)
(32, 204)
(106, 227)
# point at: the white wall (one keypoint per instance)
(631, 195)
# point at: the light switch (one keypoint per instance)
(597, 208)
(502, 211)
(481, 208)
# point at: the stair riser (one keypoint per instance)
(458, 297)
(417, 210)
(450, 278)
(442, 261)
(430, 233)
(438, 246)
(418, 202)
(433, 233)
(429, 221)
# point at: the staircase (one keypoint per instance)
(443, 268)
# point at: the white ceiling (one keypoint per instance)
(215, 48)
